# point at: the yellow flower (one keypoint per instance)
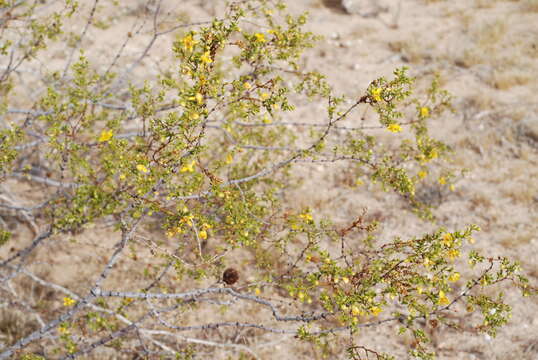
(189, 167)
(188, 42)
(142, 168)
(265, 96)
(106, 135)
(420, 289)
(267, 120)
(443, 300)
(434, 154)
(422, 174)
(187, 219)
(424, 112)
(453, 254)
(260, 37)
(454, 277)
(257, 291)
(307, 217)
(198, 97)
(194, 116)
(355, 310)
(375, 310)
(376, 94)
(63, 329)
(247, 85)
(206, 58)
(448, 239)
(206, 226)
(68, 301)
(442, 180)
(229, 159)
(452, 187)
(203, 234)
(394, 128)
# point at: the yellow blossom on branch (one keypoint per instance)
(306, 216)
(453, 254)
(188, 42)
(394, 128)
(443, 300)
(259, 37)
(68, 301)
(106, 135)
(188, 167)
(376, 94)
(448, 239)
(187, 219)
(206, 58)
(422, 174)
(375, 310)
(142, 168)
(202, 234)
(424, 112)
(454, 277)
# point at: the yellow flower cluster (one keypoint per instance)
(68, 301)
(142, 168)
(454, 277)
(306, 216)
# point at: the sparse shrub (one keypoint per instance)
(159, 200)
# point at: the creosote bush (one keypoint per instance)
(191, 172)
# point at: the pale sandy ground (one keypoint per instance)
(485, 52)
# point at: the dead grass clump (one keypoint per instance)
(15, 324)
(490, 34)
(504, 80)
(523, 239)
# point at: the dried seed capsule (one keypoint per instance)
(230, 276)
